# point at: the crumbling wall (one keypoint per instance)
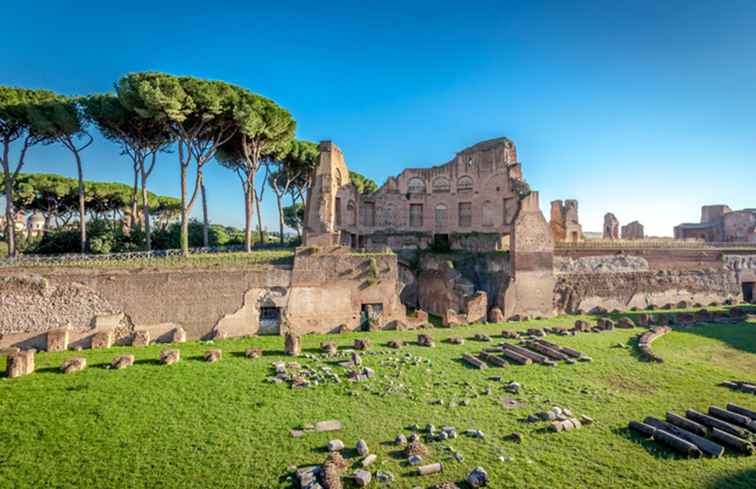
(625, 290)
(31, 303)
(447, 281)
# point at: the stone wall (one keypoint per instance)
(625, 290)
(621, 280)
(323, 291)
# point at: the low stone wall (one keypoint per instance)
(322, 292)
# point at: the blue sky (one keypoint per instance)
(644, 109)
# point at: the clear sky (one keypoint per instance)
(643, 108)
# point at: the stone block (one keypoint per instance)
(495, 315)
(213, 355)
(20, 363)
(476, 306)
(141, 337)
(73, 365)
(451, 318)
(122, 361)
(292, 344)
(57, 339)
(169, 357)
(179, 335)
(102, 339)
(253, 352)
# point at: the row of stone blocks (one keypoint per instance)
(58, 339)
(21, 363)
(697, 434)
(645, 340)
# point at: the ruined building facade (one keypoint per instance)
(478, 201)
(633, 231)
(478, 192)
(719, 223)
(564, 222)
(611, 226)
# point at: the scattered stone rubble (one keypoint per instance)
(698, 434)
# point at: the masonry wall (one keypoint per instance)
(37, 300)
(322, 292)
(618, 279)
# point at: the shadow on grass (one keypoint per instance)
(745, 479)
(740, 336)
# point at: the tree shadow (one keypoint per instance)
(745, 479)
(740, 336)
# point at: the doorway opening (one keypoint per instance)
(371, 313)
(748, 291)
(270, 320)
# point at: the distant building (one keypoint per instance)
(35, 226)
(20, 223)
(634, 230)
(611, 226)
(564, 222)
(720, 224)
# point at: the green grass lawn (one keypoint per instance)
(198, 425)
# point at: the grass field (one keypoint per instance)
(198, 425)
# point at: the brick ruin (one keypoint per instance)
(565, 226)
(611, 226)
(719, 223)
(477, 202)
(465, 240)
(633, 231)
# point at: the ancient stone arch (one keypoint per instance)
(464, 184)
(441, 184)
(416, 185)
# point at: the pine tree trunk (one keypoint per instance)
(146, 212)
(184, 214)
(134, 199)
(82, 210)
(10, 221)
(248, 214)
(259, 217)
(205, 220)
(280, 218)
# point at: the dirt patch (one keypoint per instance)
(629, 384)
